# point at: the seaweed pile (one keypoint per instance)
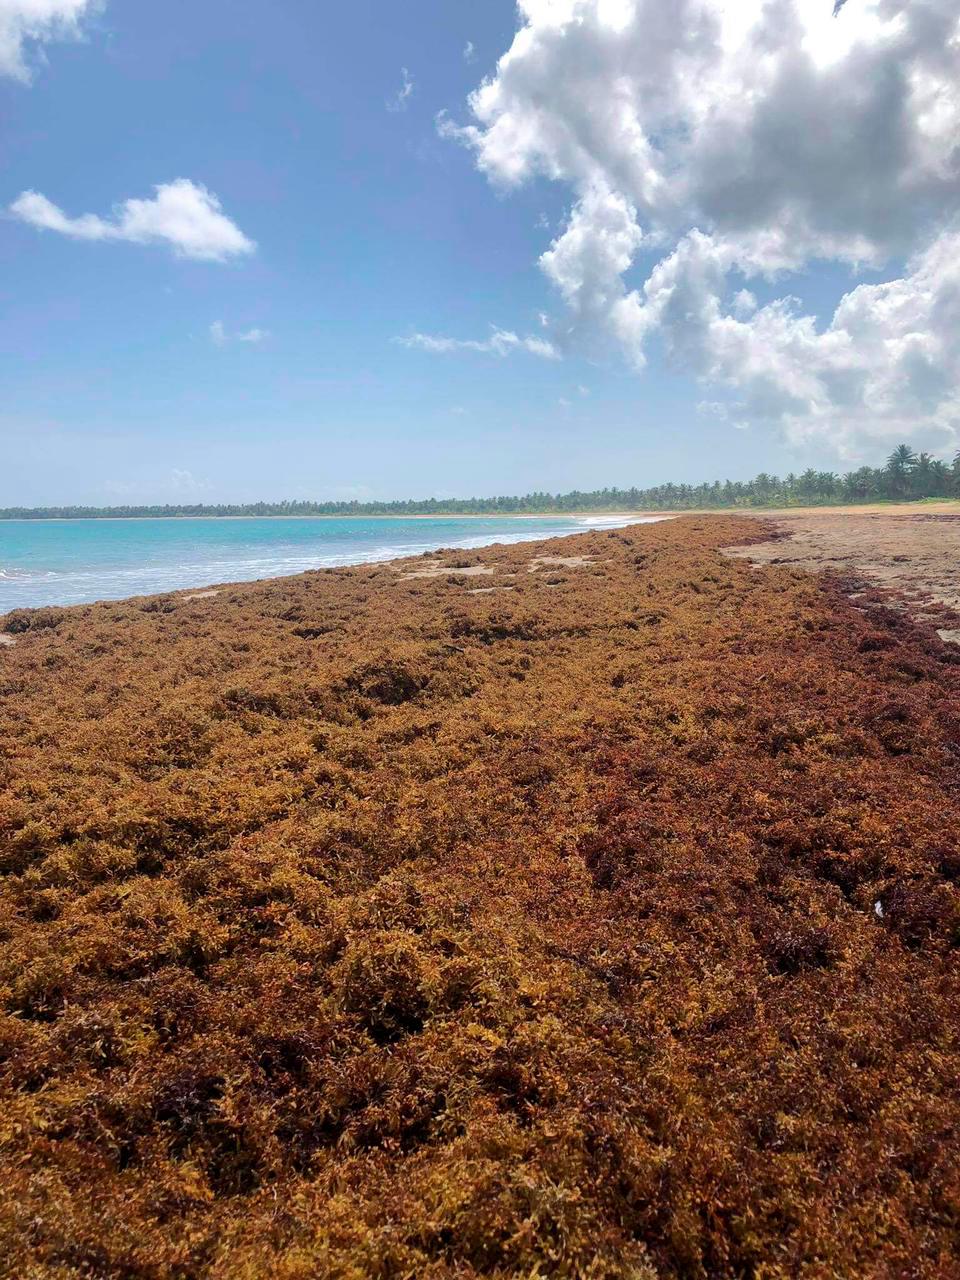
(579, 909)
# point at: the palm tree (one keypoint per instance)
(808, 483)
(939, 478)
(858, 484)
(922, 477)
(902, 457)
(899, 465)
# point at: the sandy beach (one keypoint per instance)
(910, 556)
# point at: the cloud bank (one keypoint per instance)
(37, 22)
(715, 144)
(183, 215)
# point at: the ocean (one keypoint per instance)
(60, 562)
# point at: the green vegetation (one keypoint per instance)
(907, 476)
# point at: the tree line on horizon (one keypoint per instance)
(906, 476)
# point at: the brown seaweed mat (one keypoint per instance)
(593, 917)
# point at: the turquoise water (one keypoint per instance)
(77, 561)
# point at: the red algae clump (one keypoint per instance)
(366, 924)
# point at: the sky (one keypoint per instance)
(257, 250)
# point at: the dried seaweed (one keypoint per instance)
(361, 926)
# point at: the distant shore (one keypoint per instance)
(944, 506)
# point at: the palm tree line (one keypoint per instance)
(906, 476)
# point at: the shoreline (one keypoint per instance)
(120, 583)
(519, 515)
(445, 515)
(842, 516)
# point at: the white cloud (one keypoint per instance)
(739, 140)
(182, 214)
(469, 52)
(886, 367)
(588, 260)
(220, 337)
(405, 92)
(26, 23)
(500, 343)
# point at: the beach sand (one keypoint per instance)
(912, 555)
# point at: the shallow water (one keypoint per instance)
(78, 561)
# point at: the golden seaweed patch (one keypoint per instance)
(373, 923)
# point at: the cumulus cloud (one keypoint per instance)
(404, 93)
(500, 343)
(718, 143)
(26, 23)
(886, 366)
(182, 214)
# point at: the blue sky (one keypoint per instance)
(369, 227)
